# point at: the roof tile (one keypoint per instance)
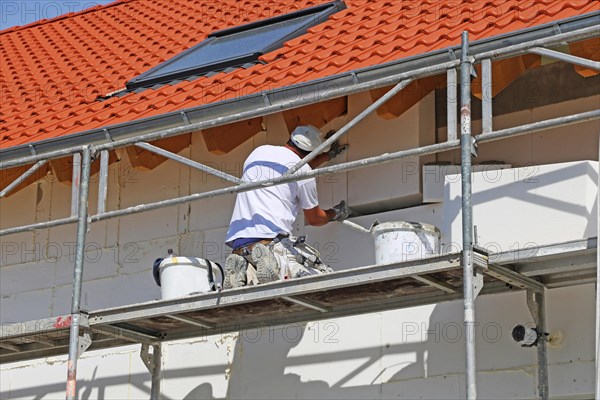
(53, 71)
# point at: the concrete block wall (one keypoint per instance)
(374, 356)
(395, 184)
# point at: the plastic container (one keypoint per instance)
(184, 276)
(405, 241)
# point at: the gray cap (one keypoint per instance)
(306, 137)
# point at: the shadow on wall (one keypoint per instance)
(259, 366)
(204, 391)
(259, 369)
(100, 388)
(535, 200)
(262, 364)
(288, 363)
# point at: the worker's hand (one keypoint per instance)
(336, 149)
(342, 211)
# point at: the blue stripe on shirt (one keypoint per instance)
(257, 219)
(280, 168)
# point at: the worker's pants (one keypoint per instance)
(288, 263)
(289, 266)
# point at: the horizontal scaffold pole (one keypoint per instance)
(330, 170)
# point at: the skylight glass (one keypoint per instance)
(236, 46)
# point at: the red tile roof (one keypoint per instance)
(53, 70)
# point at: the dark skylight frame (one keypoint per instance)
(236, 46)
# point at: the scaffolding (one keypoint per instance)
(462, 275)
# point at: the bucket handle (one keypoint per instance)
(155, 270)
(359, 228)
(211, 277)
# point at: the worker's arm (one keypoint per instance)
(335, 150)
(317, 216)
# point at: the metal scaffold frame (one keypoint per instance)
(474, 263)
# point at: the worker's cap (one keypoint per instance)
(306, 137)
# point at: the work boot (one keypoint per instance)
(326, 269)
(235, 272)
(267, 269)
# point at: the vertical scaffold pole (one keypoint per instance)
(82, 222)
(536, 301)
(467, 217)
(153, 361)
(156, 372)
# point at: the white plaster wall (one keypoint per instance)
(382, 355)
(402, 354)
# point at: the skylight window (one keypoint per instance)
(236, 46)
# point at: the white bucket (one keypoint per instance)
(183, 276)
(405, 241)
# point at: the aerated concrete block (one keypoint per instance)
(120, 291)
(26, 277)
(211, 213)
(149, 225)
(17, 210)
(139, 256)
(213, 247)
(25, 306)
(389, 185)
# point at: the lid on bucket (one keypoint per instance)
(404, 226)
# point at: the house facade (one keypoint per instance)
(530, 191)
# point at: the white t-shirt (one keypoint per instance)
(269, 211)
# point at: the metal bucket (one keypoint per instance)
(184, 276)
(405, 241)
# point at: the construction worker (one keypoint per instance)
(261, 224)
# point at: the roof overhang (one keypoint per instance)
(276, 100)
